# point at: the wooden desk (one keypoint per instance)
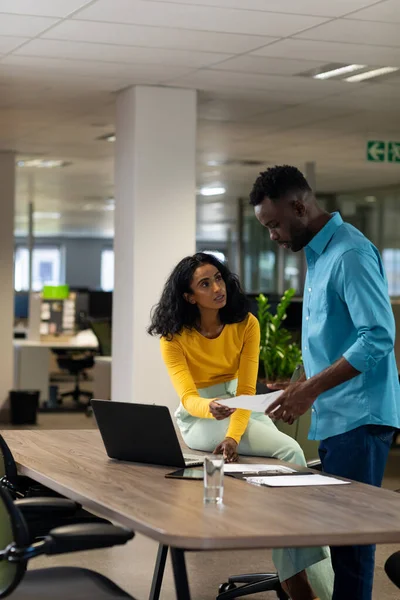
(172, 512)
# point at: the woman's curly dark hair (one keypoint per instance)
(173, 313)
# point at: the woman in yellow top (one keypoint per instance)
(210, 345)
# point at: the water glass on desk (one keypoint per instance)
(213, 479)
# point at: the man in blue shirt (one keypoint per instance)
(348, 333)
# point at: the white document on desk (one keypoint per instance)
(258, 403)
(296, 480)
(256, 468)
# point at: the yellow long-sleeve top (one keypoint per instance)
(195, 362)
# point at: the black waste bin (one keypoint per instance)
(24, 406)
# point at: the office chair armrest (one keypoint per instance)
(314, 464)
(90, 536)
(47, 507)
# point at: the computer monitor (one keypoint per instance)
(21, 305)
(100, 305)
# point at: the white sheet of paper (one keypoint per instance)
(256, 468)
(258, 403)
(296, 481)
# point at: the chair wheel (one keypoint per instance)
(226, 587)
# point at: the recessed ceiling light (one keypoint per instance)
(212, 191)
(109, 137)
(338, 71)
(42, 164)
(371, 74)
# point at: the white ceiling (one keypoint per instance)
(62, 60)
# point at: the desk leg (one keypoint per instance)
(180, 574)
(158, 572)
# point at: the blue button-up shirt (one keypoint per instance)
(347, 312)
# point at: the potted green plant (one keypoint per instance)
(279, 354)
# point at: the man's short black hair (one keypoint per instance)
(277, 182)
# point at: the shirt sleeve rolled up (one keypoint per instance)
(362, 286)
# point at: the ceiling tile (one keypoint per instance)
(361, 100)
(332, 52)
(271, 83)
(387, 12)
(130, 74)
(267, 66)
(19, 25)
(8, 43)
(324, 8)
(296, 116)
(36, 72)
(219, 108)
(41, 8)
(123, 54)
(155, 37)
(355, 32)
(146, 12)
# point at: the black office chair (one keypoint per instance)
(392, 568)
(62, 583)
(51, 511)
(76, 363)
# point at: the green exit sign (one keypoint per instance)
(381, 151)
(394, 151)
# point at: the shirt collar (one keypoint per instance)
(324, 236)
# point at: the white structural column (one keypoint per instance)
(7, 193)
(155, 226)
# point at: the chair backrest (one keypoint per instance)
(102, 329)
(8, 468)
(392, 568)
(13, 530)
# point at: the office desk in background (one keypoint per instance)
(32, 360)
(171, 512)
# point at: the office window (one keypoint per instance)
(259, 257)
(107, 270)
(391, 262)
(46, 268)
(291, 273)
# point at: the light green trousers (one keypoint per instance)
(261, 438)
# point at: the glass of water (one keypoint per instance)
(213, 479)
